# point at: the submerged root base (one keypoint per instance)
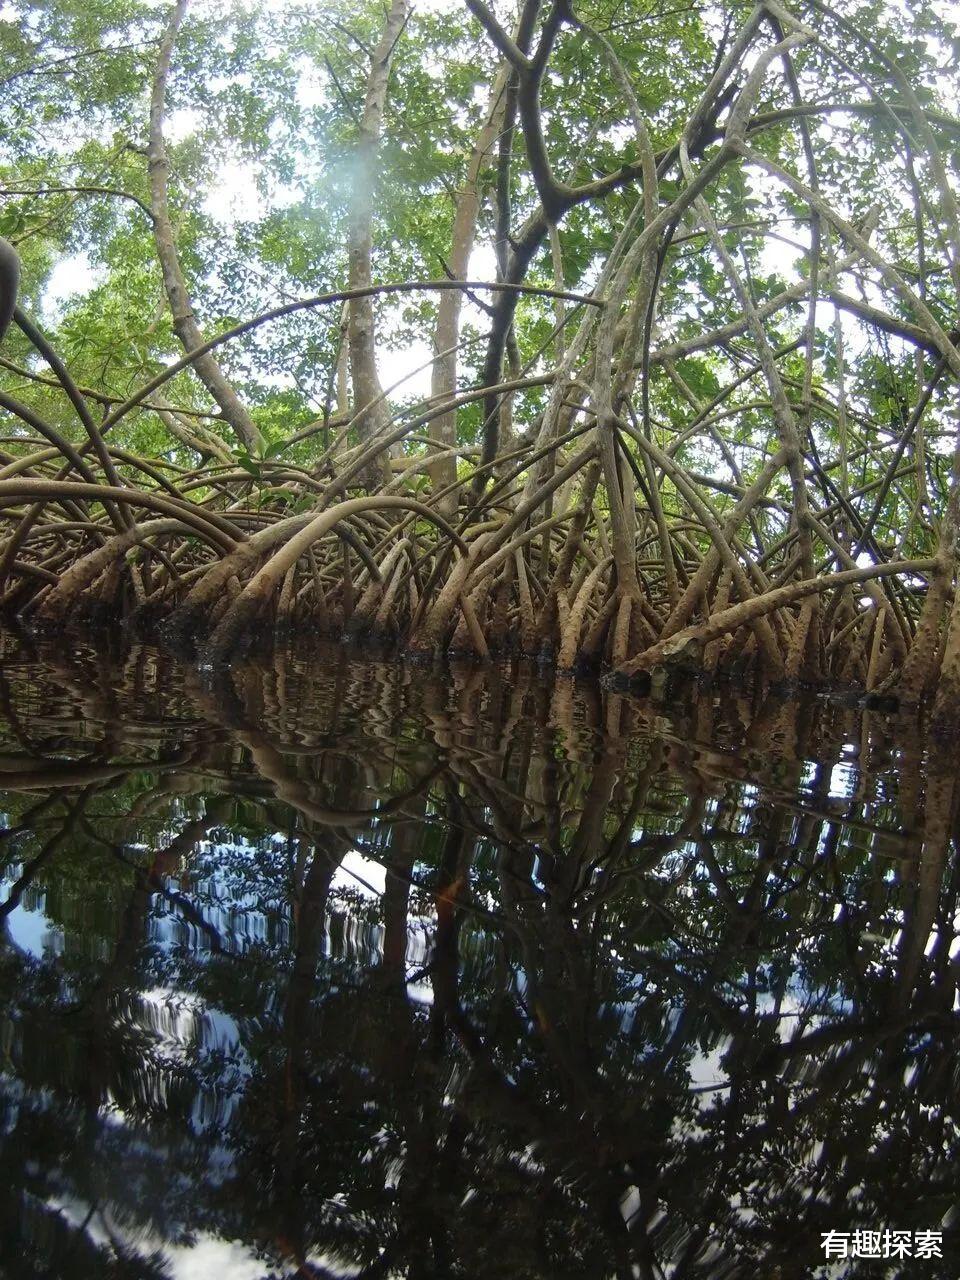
(184, 630)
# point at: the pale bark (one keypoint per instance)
(443, 471)
(748, 611)
(361, 328)
(184, 320)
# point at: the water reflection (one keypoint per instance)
(348, 969)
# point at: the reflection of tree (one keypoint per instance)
(667, 997)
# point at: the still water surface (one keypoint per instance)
(332, 968)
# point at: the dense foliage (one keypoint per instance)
(698, 402)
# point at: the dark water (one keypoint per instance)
(335, 968)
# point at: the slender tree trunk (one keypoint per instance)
(361, 329)
(919, 673)
(9, 283)
(443, 430)
(184, 321)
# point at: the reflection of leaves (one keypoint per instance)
(692, 1013)
(51, 1244)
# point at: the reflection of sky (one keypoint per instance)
(27, 927)
(205, 1257)
(242, 889)
(187, 1033)
(221, 891)
(360, 873)
(32, 932)
(227, 890)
